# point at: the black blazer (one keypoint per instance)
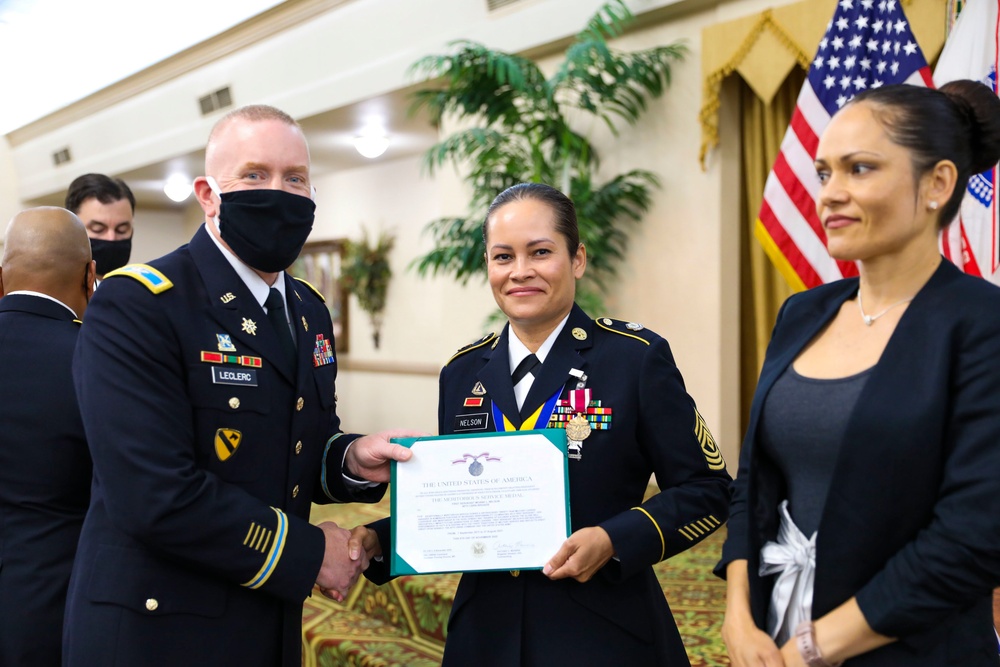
(197, 549)
(911, 525)
(44, 477)
(620, 616)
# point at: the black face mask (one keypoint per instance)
(110, 255)
(266, 228)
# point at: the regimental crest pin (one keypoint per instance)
(225, 343)
(249, 326)
(478, 389)
(227, 441)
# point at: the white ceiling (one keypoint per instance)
(97, 43)
(59, 51)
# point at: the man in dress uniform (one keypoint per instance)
(206, 384)
(107, 207)
(46, 278)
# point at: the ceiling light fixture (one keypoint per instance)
(177, 187)
(371, 145)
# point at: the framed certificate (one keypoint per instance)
(488, 501)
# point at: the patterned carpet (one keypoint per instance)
(403, 623)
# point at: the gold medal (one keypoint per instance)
(577, 430)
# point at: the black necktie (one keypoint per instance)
(276, 314)
(527, 365)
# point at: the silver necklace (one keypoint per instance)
(871, 318)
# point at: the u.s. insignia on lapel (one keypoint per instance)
(225, 343)
(323, 352)
(227, 297)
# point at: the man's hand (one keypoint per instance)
(339, 571)
(369, 456)
(581, 555)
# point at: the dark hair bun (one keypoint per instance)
(981, 107)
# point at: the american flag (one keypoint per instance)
(867, 44)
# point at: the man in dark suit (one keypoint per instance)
(206, 385)
(46, 278)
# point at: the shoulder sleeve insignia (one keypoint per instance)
(472, 346)
(154, 281)
(312, 289)
(629, 329)
(708, 447)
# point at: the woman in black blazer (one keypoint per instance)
(877, 413)
(597, 601)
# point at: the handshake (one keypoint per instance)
(347, 555)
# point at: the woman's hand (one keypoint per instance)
(581, 555)
(363, 540)
(748, 645)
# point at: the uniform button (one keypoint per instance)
(295, 491)
(298, 447)
(234, 402)
(299, 403)
(515, 573)
(152, 604)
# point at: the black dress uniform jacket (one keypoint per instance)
(911, 525)
(197, 548)
(620, 617)
(44, 476)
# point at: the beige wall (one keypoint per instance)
(9, 201)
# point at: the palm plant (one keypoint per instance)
(518, 129)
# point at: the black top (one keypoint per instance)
(802, 428)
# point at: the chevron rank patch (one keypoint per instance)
(227, 441)
(708, 447)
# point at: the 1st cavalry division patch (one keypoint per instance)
(227, 441)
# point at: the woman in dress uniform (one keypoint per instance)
(864, 524)
(597, 601)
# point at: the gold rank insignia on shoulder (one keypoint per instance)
(472, 346)
(708, 445)
(627, 329)
(312, 289)
(154, 281)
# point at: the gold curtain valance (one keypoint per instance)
(763, 48)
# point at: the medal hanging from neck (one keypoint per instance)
(578, 428)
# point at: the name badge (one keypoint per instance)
(244, 377)
(474, 422)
